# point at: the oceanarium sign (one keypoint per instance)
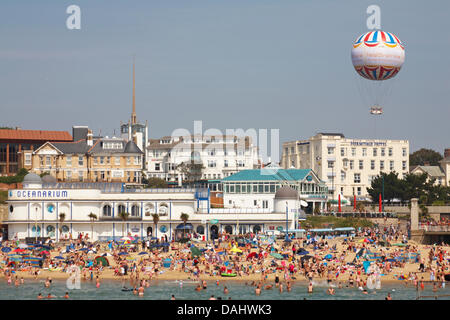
(30, 194)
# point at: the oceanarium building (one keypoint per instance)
(58, 210)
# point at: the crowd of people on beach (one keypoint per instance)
(337, 261)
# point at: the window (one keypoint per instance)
(41, 160)
(265, 204)
(128, 161)
(136, 160)
(241, 163)
(330, 164)
(69, 175)
(343, 176)
(351, 164)
(361, 164)
(381, 164)
(404, 152)
(345, 162)
(200, 229)
(107, 212)
(342, 152)
(357, 178)
(383, 152)
(330, 150)
(102, 160)
(80, 175)
(48, 161)
(374, 152)
(121, 208)
(211, 163)
(364, 152)
(225, 163)
(353, 152)
(80, 161)
(359, 191)
(390, 152)
(27, 159)
(212, 152)
(102, 175)
(391, 165)
(135, 211)
(292, 149)
(255, 202)
(157, 166)
(372, 164)
(117, 161)
(403, 165)
(371, 178)
(108, 160)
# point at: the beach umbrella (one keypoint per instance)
(328, 256)
(23, 246)
(18, 250)
(44, 252)
(83, 249)
(125, 239)
(306, 257)
(6, 249)
(59, 257)
(123, 253)
(130, 258)
(276, 255)
(234, 249)
(107, 254)
(142, 253)
(165, 244)
(302, 252)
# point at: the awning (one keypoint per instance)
(186, 226)
(345, 229)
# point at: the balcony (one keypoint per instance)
(118, 219)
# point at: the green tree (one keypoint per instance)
(393, 187)
(425, 156)
(184, 217)
(92, 216)
(156, 183)
(124, 216)
(155, 221)
(191, 170)
(62, 217)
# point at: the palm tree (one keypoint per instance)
(92, 216)
(62, 217)
(155, 221)
(184, 217)
(124, 216)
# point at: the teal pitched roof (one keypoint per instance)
(269, 175)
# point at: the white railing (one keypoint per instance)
(434, 228)
(233, 210)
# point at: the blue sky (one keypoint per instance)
(230, 63)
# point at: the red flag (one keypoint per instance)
(340, 203)
(379, 209)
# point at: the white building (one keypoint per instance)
(221, 156)
(36, 210)
(347, 165)
(256, 189)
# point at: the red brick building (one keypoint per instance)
(13, 141)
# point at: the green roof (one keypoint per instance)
(269, 174)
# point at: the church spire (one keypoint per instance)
(133, 113)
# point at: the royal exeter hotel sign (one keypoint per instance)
(38, 194)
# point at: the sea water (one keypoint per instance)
(163, 290)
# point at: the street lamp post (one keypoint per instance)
(382, 191)
(35, 225)
(287, 237)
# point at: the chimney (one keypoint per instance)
(447, 153)
(79, 133)
(90, 138)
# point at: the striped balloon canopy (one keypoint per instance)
(378, 55)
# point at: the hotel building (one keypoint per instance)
(348, 166)
(221, 156)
